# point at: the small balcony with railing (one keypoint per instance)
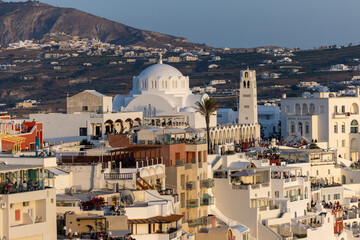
(206, 200)
(208, 183)
(204, 221)
(192, 203)
(247, 180)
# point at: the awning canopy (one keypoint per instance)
(157, 219)
(12, 138)
(244, 173)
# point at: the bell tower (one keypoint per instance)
(247, 110)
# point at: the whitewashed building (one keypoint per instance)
(330, 121)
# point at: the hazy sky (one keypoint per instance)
(236, 23)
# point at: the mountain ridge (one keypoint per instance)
(32, 20)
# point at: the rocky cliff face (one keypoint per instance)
(32, 20)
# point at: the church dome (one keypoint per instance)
(160, 70)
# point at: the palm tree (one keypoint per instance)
(207, 107)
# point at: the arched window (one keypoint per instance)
(354, 128)
(244, 84)
(307, 128)
(304, 109)
(292, 127)
(312, 108)
(300, 126)
(246, 74)
(248, 84)
(354, 109)
(297, 109)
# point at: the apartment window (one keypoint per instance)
(343, 128)
(26, 204)
(343, 109)
(317, 172)
(277, 195)
(324, 198)
(17, 215)
(328, 171)
(85, 108)
(83, 131)
(343, 143)
(335, 128)
(337, 196)
(329, 198)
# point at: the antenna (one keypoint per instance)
(127, 197)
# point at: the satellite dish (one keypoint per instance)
(127, 197)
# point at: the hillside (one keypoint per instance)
(32, 20)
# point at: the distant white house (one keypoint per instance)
(339, 67)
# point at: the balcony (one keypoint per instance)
(341, 115)
(207, 200)
(294, 198)
(241, 187)
(8, 188)
(118, 176)
(193, 203)
(190, 185)
(195, 222)
(23, 180)
(208, 183)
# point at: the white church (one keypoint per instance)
(162, 93)
(162, 90)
